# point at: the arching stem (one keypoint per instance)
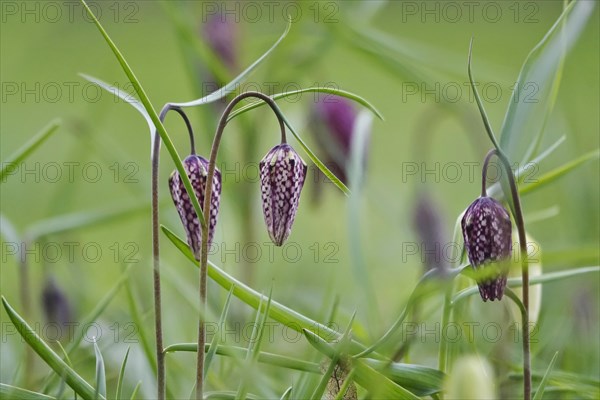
(206, 211)
(160, 356)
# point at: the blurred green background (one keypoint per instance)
(42, 55)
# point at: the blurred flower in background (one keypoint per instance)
(472, 377)
(221, 35)
(332, 122)
(55, 305)
(429, 227)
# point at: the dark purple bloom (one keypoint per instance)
(333, 125)
(197, 170)
(55, 304)
(486, 230)
(282, 174)
(428, 225)
(221, 35)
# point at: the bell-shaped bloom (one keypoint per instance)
(282, 174)
(486, 228)
(196, 168)
(428, 225)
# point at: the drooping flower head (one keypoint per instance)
(220, 34)
(56, 306)
(197, 171)
(428, 224)
(282, 174)
(486, 228)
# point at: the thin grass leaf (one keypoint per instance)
(119, 392)
(378, 385)
(254, 346)
(135, 390)
(128, 98)
(361, 133)
(524, 118)
(517, 282)
(495, 190)
(152, 113)
(18, 156)
(214, 344)
(335, 356)
(76, 382)
(233, 85)
(98, 310)
(100, 373)
(287, 395)
(227, 395)
(13, 392)
(337, 92)
(80, 220)
(559, 172)
(8, 231)
(539, 393)
(241, 352)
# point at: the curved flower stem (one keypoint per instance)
(206, 211)
(160, 356)
(518, 214)
(486, 162)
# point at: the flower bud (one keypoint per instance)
(196, 168)
(428, 224)
(471, 377)
(282, 174)
(486, 230)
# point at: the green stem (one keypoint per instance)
(518, 215)
(160, 356)
(205, 228)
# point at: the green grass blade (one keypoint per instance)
(85, 219)
(278, 312)
(378, 385)
(525, 118)
(129, 99)
(18, 156)
(76, 382)
(98, 310)
(539, 393)
(13, 392)
(234, 84)
(100, 373)
(287, 395)
(241, 352)
(152, 113)
(135, 390)
(559, 172)
(335, 355)
(119, 392)
(214, 344)
(544, 278)
(337, 92)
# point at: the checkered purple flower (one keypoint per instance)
(282, 174)
(487, 230)
(197, 170)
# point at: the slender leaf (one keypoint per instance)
(524, 118)
(544, 278)
(128, 98)
(233, 85)
(378, 385)
(76, 382)
(135, 390)
(539, 393)
(119, 392)
(100, 373)
(559, 172)
(13, 392)
(287, 395)
(18, 156)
